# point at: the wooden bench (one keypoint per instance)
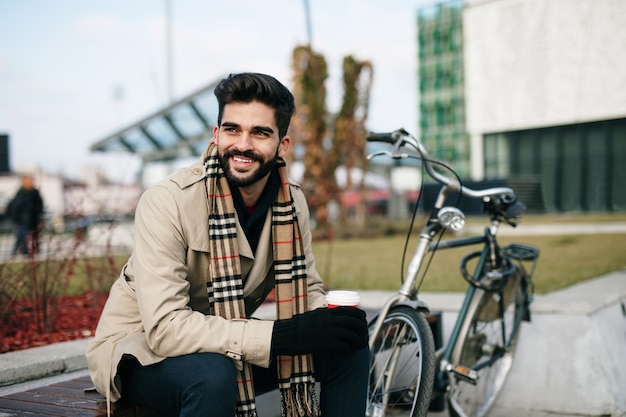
(73, 398)
(70, 398)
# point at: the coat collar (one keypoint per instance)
(195, 175)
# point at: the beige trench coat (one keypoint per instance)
(158, 306)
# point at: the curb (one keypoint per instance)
(43, 361)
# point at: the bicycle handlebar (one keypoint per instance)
(400, 137)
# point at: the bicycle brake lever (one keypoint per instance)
(375, 154)
(392, 155)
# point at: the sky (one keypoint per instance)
(72, 72)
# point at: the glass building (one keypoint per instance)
(441, 88)
(528, 93)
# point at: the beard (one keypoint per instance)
(252, 177)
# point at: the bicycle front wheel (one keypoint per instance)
(486, 344)
(402, 365)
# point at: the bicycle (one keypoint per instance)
(469, 371)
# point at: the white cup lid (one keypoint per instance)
(343, 297)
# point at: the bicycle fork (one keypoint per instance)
(407, 292)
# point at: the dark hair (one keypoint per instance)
(247, 87)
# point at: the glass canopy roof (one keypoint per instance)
(177, 131)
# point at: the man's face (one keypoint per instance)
(248, 142)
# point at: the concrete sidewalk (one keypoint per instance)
(570, 359)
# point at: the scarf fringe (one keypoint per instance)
(246, 413)
(300, 400)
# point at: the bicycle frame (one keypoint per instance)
(425, 244)
(441, 376)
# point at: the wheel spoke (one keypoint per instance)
(402, 365)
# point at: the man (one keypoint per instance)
(211, 242)
(25, 211)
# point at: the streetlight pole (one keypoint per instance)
(309, 29)
(168, 57)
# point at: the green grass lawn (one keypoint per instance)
(375, 263)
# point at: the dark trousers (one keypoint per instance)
(204, 384)
(22, 235)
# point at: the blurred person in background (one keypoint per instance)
(25, 211)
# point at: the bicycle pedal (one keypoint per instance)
(463, 372)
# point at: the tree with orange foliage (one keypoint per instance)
(325, 151)
(349, 146)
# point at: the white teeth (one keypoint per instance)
(238, 159)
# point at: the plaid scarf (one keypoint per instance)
(225, 285)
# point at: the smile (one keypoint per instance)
(242, 160)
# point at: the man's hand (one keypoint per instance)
(340, 329)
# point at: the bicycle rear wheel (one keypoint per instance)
(486, 344)
(402, 365)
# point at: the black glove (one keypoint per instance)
(339, 329)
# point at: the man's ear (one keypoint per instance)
(283, 146)
(216, 131)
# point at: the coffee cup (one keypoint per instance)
(342, 298)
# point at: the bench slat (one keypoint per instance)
(64, 399)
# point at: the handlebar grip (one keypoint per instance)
(390, 137)
(381, 137)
